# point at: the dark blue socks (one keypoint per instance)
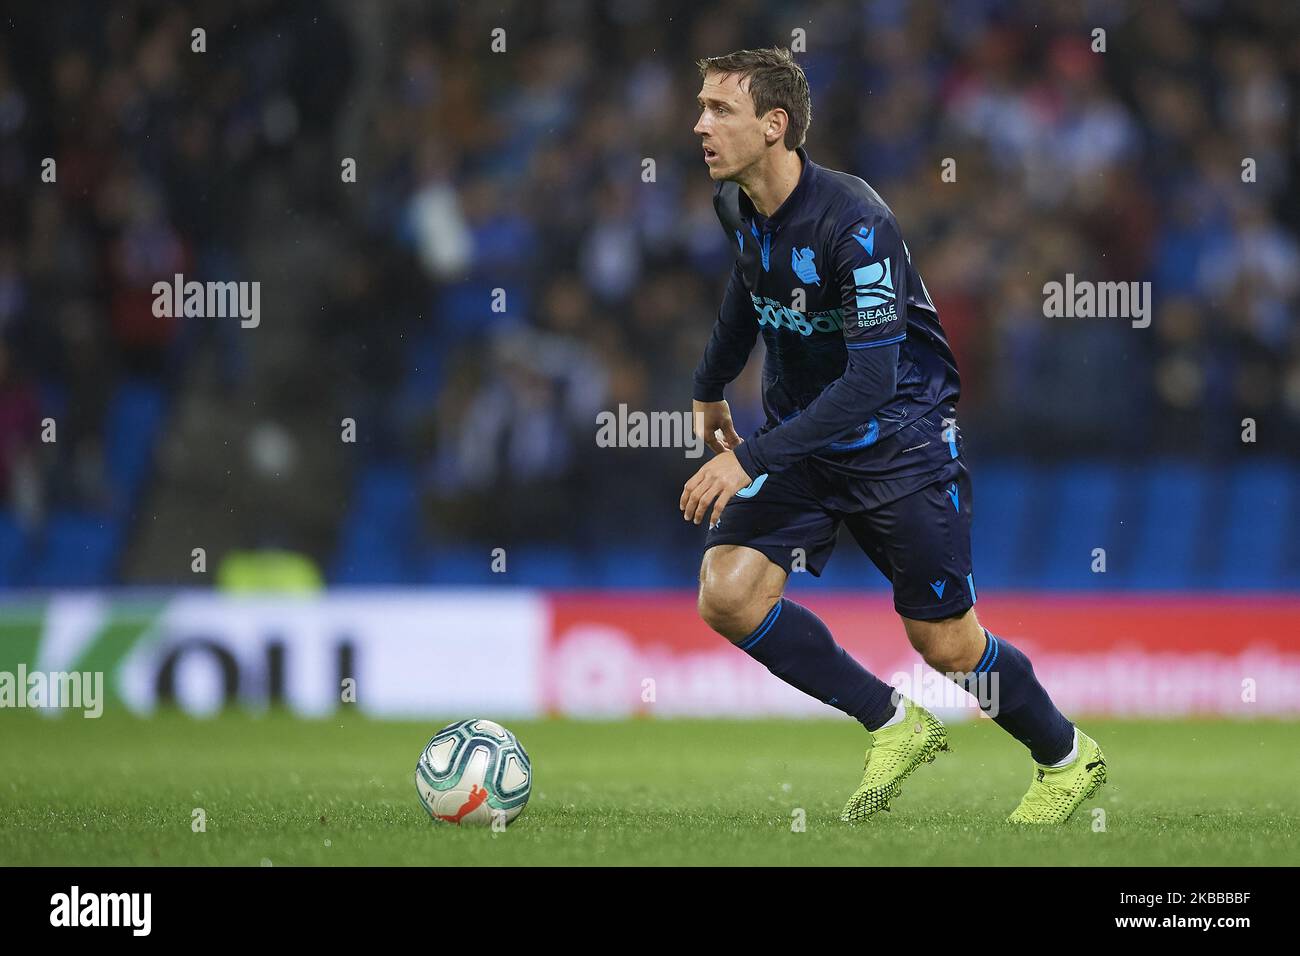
(794, 644)
(1017, 702)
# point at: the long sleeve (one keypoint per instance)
(730, 344)
(869, 265)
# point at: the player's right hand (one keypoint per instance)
(713, 424)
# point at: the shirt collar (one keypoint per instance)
(783, 211)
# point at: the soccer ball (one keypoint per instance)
(474, 772)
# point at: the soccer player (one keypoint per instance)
(859, 390)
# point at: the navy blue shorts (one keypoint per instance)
(915, 529)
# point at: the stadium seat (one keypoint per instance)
(1080, 513)
(1035, 527)
(465, 566)
(76, 550)
(1002, 494)
(13, 567)
(134, 417)
(366, 555)
(632, 568)
(1173, 500)
(546, 567)
(1260, 520)
(465, 309)
(379, 534)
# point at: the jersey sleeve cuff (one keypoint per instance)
(745, 454)
(707, 392)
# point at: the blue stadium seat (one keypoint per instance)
(13, 565)
(1174, 500)
(1035, 527)
(1082, 514)
(367, 555)
(380, 533)
(77, 550)
(1260, 511)
(387, 494)
(630, 568)
(467, 566)
(1002, 494)
(840, 573)
(135, 415)
(847, 570)
(544, 567)
(465, 309)
(529, 567)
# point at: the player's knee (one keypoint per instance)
(726, 609)
(736, 592)
(946, 659)
(949, 645)
(735, 610)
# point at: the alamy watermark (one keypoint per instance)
(76, 690)
(133, 911)
(210, 300)
(1083, 299)
(636, 429)
(931, 689)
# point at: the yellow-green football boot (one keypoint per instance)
(895, 752)
(1056, 792)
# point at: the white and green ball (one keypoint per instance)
(472, 772)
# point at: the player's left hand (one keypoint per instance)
(720, 478)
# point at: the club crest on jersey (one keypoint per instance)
(801, 261)
(874, 290)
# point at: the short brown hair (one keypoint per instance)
(775, 81)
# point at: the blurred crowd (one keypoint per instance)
(515, 265)
(127, 150)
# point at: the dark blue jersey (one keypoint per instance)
(861, 359)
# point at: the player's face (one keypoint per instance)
(730, 132)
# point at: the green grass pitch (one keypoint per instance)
(123, 791)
